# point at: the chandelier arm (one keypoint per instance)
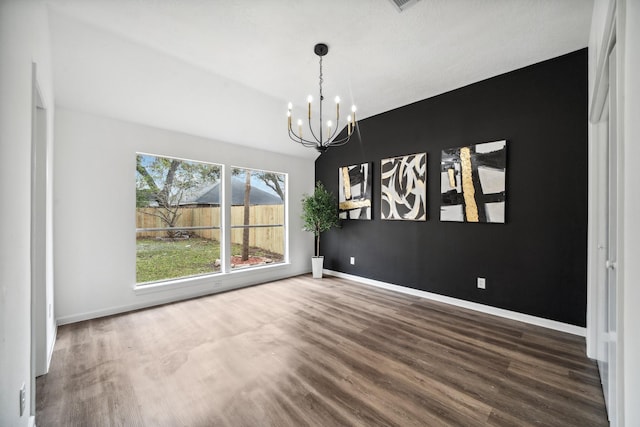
(335, 130)
(318, 140)
(339, 142)
(342, 140)
(296, 138)
(304, 142)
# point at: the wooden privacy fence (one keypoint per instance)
(269, 238)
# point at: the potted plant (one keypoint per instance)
(319, 213)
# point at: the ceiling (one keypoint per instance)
(225, 70)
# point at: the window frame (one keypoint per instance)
(284, 224)
(216, 278)
(221, 172)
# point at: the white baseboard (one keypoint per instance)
(508, 314)
(32, 421)
(131, 307)
(231, 281)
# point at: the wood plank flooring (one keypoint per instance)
(305, 352)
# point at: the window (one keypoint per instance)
(177, 218)
(179, 226)
(257, 217)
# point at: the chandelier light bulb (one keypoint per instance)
(290, 106)
(329, 124)
(309, 99)
(337, 99)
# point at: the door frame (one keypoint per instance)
(41, 303)
(598, 203)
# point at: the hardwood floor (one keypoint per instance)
(304, 352)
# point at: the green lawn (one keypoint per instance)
(162, 260)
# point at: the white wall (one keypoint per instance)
(94, 213)
(23, 39)
(631, 191)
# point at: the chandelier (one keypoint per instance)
(317, 140)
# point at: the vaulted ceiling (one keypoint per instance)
(225, 70)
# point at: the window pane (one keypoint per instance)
(257, 217)
(177, 218)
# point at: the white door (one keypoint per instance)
(612, 235)
(608, 292)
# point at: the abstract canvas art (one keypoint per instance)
(355, 191)
(472, 183)
(404, 187)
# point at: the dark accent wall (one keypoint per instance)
(536, 263)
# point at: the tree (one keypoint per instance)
(247, 211)
(163, 183)
(275, 181)
(319, 212)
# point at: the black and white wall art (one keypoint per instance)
(355, 191)
(404, 187)
(472, 183)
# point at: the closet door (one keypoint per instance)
(612, 238)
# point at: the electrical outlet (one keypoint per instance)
(482, 283)
(23, 399)
(353, 260)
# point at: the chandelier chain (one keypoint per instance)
(321, 80)
(321, 99)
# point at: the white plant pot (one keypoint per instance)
(316, 266)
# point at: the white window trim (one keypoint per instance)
(217, 281)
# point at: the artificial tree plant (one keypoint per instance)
(319, 213)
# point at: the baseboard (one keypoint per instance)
(508, 314)
(192, 292)
(32, 421)
(139, 306)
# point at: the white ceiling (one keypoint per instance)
(225, 70)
